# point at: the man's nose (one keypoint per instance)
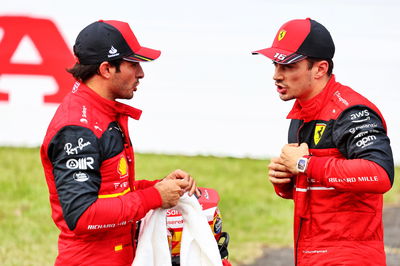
(277, 74)
(139, 72)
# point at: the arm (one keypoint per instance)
(357, 175)
(142, 184)
(368, 165)
(76, 157)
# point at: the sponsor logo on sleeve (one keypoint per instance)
(360, 116)
(81, 163)
(361, 134)
(106, 226)
(70, 149)
(366, 141)
(81, 177)
(366, 126)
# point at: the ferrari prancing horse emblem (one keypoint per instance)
(281, 35)
(319, 130)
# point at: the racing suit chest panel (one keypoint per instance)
(317, 134)
(115, 167)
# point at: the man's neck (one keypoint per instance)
(98, 86)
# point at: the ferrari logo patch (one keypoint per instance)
(319, 130)
(281, 35)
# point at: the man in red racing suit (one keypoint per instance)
(88, 158)
(338, 162)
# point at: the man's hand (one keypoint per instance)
(171, 190)
(179, 174)
(291, 153)
(278, 174)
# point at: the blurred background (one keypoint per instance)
(209, 106)
(206, 94)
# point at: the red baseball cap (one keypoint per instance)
(298, 39)
(107, 40)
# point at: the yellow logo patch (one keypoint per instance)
(281, 35)
(123, 167)
(319, 130)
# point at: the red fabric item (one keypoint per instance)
(104, 232)
(355, 175)
(338, 201)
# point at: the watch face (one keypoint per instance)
(301, 165)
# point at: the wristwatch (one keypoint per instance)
(302, 163)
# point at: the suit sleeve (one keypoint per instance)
(143, 184)
(284, 190)
(368, 164)
(76, 157)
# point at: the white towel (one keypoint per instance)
(153, 248)
(198, 245)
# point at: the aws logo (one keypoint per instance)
(318, 132)
(123, 167)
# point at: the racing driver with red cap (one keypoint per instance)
(338, 162)
(88, 158)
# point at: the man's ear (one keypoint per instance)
(321, 68)
(105, 70)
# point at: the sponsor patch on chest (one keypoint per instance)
(318, 132)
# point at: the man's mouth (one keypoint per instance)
(135, 86)
(280, 88)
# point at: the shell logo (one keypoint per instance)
(123, 167)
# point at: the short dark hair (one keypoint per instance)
(312, 60)
(85, 72)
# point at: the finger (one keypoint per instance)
(177, 174)
(284, 174)
(271, 172)
(183, 184)
(278, 181)
(278, 166)
(180, 174)
(190, 180)
(197, 192)
(304, 145)
(192, 188)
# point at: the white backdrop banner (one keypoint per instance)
(206, 94)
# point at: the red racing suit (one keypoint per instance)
(338, 201)
(88, 161)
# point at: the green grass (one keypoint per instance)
(252, 214)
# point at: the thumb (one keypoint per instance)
(304, 145)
